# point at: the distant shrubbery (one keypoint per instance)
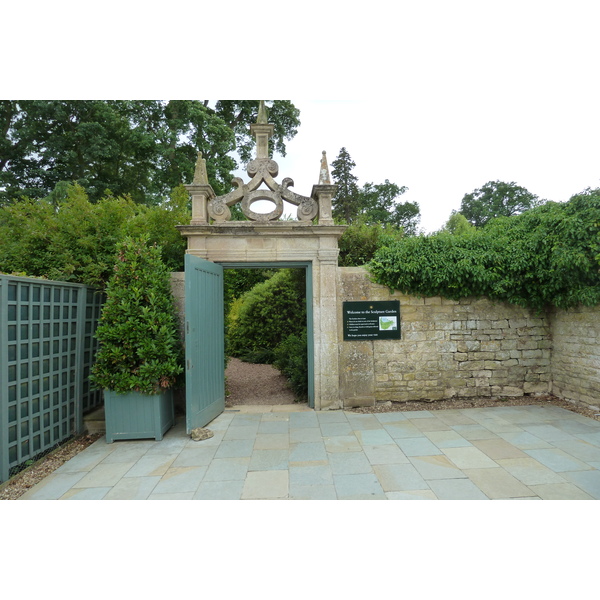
(547, 256)
(268, 325)
(68, 238)
(360, 242)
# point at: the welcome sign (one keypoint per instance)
(371, 320)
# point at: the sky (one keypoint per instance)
(440, 97)
(443, 154)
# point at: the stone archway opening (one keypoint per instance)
(266, 367)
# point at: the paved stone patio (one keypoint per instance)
(291, 452)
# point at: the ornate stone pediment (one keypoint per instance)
(262, 186)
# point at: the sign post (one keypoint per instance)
(371, 320)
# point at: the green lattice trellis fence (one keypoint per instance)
(46, 351)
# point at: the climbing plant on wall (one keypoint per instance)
(548, 256)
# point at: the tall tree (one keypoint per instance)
(379, 205)
(373, 203)
(140, 148)
(345, 203)
(496, 199)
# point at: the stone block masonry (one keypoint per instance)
(448, 349)
(576, 354)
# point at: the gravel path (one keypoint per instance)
(248, 383)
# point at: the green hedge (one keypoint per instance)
(266, 315)
(548, 256)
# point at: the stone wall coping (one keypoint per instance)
(273, 229)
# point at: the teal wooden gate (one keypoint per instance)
(204, 341)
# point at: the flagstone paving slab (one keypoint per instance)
(93, 493)
(421, 446)
(362, 486)
(401, 430)
(220, 490)
(546, 432)
(456, 489)
(559, 491)
(239, 448)
(447, 439)
(579, 449)
(180, 479)
(132, 488)
(496, 453)
(373, 437)
(82, 462)
(430, 424)
(391, 417)
(385, 455)
(104, 475)
(436, 467)
(227, 469)
(346, 463)
(269, 460)
(499, 448)
(474, 432)
(241, 432)
(310, 475)
(530, 471)
(497, 483)
(330, 429)
(54, 486)
(557, 460)
(150, 465)
(174, 496)
(412, 495)
(455, 417)
(312, 492)
(128, 452)
(399, 478)
(469, 458)
(197, 456)
(274, 426)
(303, 451)
(274, 441)
(359, 421)
(266, 485)
(342, 443)
(588, 481)
(524, 440)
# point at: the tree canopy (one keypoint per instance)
(373, 203)
(496, 199)
(547, 256)
(143, 148)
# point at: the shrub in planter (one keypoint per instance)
(140, 348)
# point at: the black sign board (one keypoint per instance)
(372, 320)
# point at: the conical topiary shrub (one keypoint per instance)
(140, 352)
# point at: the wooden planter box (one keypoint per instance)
(136, 416)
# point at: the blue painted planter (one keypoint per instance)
(136, 416)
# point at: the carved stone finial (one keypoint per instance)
(200, 174)
(324, 172)
(262, 113)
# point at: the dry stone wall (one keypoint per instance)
(448, 349)
(576, 354)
